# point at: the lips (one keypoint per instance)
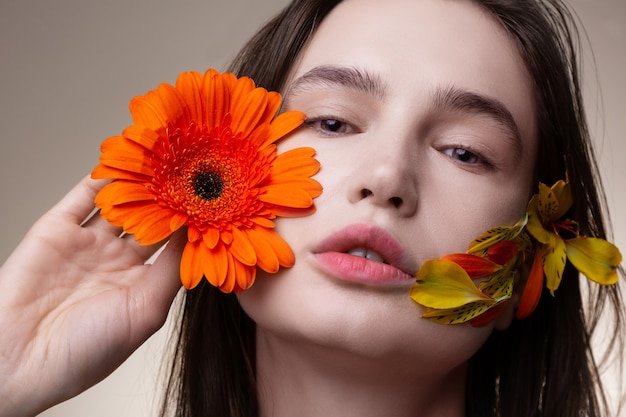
(365, 254)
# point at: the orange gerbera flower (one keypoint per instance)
(202, 154)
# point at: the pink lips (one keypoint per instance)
(332, 257)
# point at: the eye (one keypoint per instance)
(463, 155)
(330, 126)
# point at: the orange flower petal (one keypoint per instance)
(283, 124)
(191, 265)
(251, 111)
(144, 137)
(503, 252)
(286, 195)
(155, 227)
(105, 172)
(242, 249)
(215, 264)
(200, 154)
(216, 93)
(231, 279)
(120, 192)
(148, 111)
(189, 84)
(532, 290)
(267, 259)
(245, 276)
(475, 266)
(211, 236)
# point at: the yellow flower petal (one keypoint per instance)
(494, 235)
(596, 258)
(554, 258)
(460, 314)
(443, 284)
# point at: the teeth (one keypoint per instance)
(366, 253)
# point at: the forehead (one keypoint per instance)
(416, 47)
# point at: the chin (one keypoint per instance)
(355, 321)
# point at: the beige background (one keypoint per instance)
(69, 67)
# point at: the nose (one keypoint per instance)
(386, 179)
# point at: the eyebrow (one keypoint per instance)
(330, 76)
(467, 102)
(451, 99)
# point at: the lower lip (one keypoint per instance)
(361, 270)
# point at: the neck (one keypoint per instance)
(303, 379)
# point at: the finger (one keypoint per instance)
(164, 281)
(78, 204)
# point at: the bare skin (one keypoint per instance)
(75, 302)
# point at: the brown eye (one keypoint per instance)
(462, 155)
(330, 126)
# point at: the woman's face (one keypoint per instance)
(423, 119)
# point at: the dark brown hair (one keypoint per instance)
(540, 366)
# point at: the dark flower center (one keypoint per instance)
(208, 185)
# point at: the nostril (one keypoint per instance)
(396, 201)
(366, 193)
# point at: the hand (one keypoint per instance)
(75, 301)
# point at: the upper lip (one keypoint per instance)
(373, 238)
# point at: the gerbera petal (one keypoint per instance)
(191, 265)
(211, 236)
(148, 111)
(262, 221)
(178, 220)
(271, 107)
(554, 258)
(137, 216)
(122, 160)
(293, 212)
(282, 125)
(145, 137)
(231, 279)
(297, 162)
(267, 259)
(189, 84)
(443, 284)
(106, 172)
(532, 290)
(596, 258)
(155, 227)
(286, 195)
(193, 233)
(215, 264)
(174, 105)
(249, 111)
(245, 276)
(241, 248)
(282, 250)
(120, 192)
(215, 93)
